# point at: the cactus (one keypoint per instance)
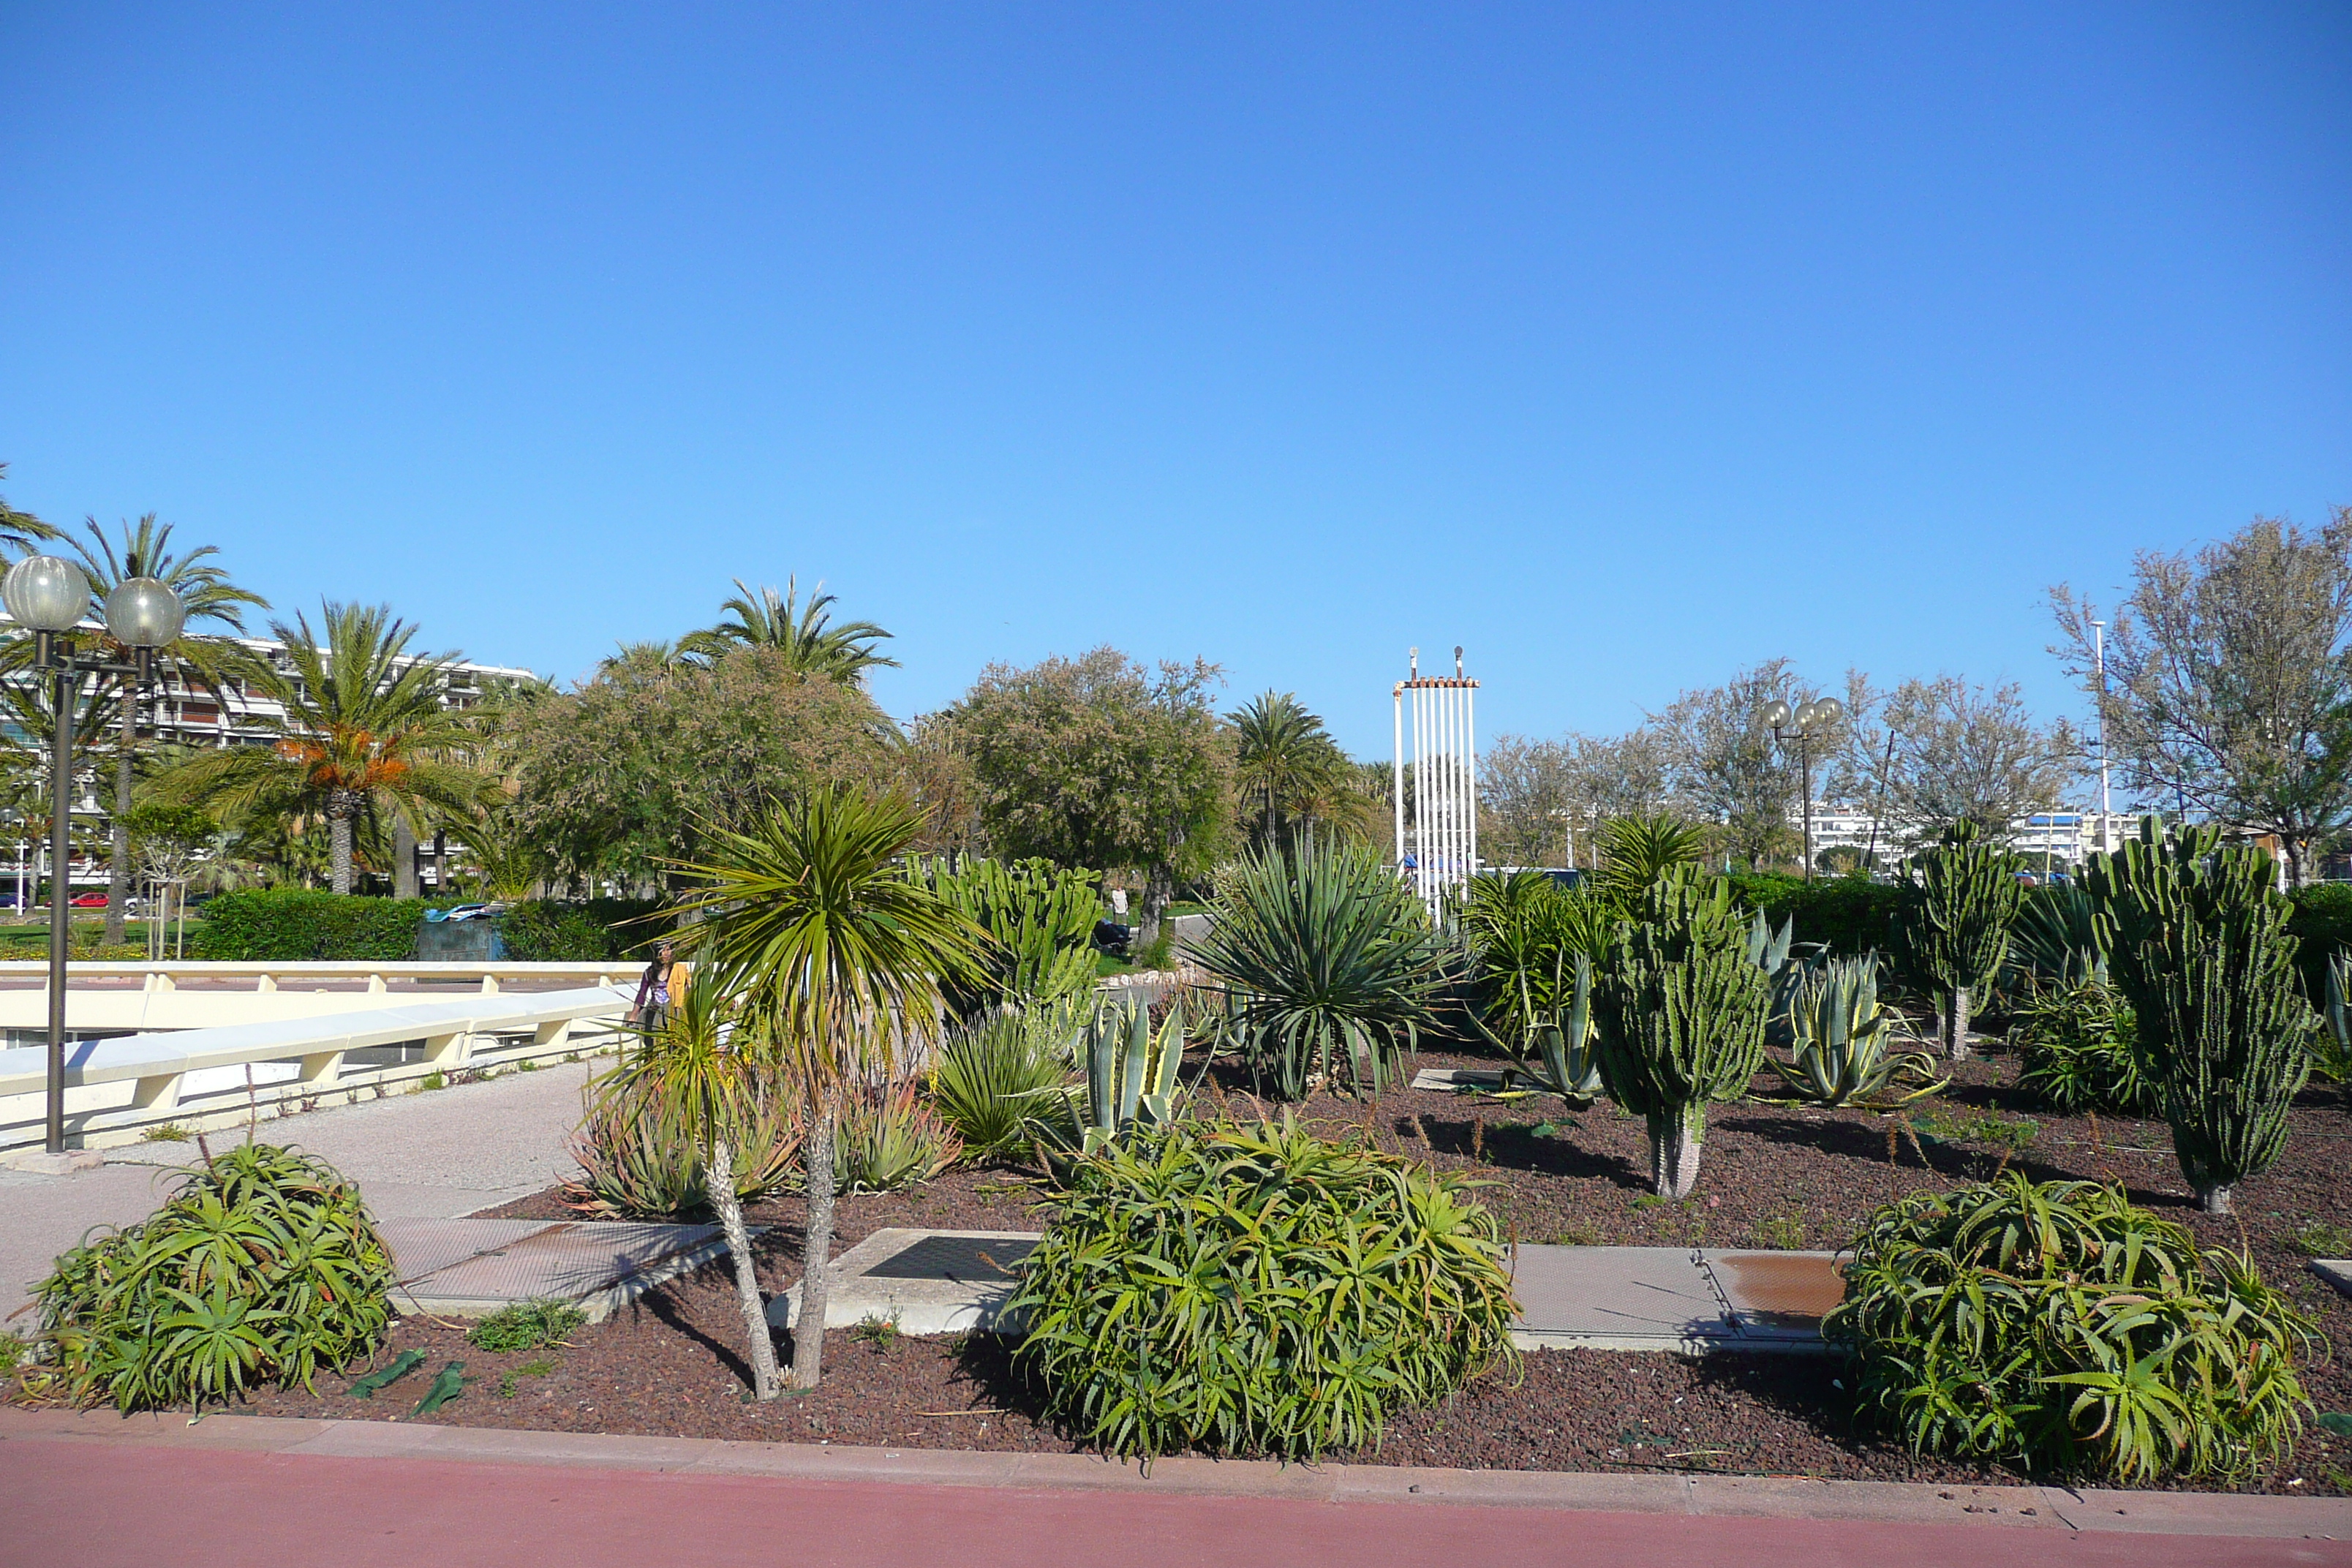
(2197, 942)
(1681, 1018)
(1963, 900)
(1131, 1070)
(1841, 1033)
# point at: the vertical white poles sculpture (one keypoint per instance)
(1440, 848)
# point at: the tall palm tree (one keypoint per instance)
(1286, 759)
(647, 657)
(144, 548)
(19, 530)
(804, 633)
(842, 958)
(366, 730)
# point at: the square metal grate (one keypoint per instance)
(965, 1259)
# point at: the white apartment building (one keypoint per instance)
(2059, 838)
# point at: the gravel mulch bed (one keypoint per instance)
(1772, 1176)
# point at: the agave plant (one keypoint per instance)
(1841, 1035)
(1525, 930)
(1564, 1060)
(1331, 963)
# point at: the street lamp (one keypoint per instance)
(51, 596)
(1802, 721)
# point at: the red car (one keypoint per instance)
(90, 901)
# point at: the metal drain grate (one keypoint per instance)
(964, 1260)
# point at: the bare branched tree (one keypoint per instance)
(1726, 766)
(2229, 686)
(1933, 752)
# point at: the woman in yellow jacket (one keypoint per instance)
(661, 987)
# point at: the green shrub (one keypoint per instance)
(297, 925)
(2078, 1051)
(1258, 1290)
(639, 1161)
(2060, 1327)
(262, 1266)
(889, 1137)
(2322, 927)
(551, 931)
(1332, 963)
(526, 1326)
(1013, 1067)
(1848, 915)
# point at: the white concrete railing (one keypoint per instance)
(197, 1078)
(198, 996)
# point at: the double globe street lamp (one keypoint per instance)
(1803, 721)
(51, 597)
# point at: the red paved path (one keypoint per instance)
(97, 1505)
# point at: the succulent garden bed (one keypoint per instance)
(1772, 1176)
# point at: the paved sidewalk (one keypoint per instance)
(417, 1156)
(94, 1490)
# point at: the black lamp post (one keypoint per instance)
(51, 596)
(1808, 716)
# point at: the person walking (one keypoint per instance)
(662, 983)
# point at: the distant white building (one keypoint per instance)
(2061, 837)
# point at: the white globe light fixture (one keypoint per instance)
(47, 592)
(143, 612)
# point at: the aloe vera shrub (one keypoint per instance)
(1958, 908)
(1254, 1290)
(2200, 946)
(1680, 1018)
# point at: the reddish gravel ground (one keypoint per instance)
(1772, 1176)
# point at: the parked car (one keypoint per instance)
(90, 901)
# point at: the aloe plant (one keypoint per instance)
(1681, 1018)
(1842, 1038)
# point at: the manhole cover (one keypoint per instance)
(966, 1259)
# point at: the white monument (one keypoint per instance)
(1440, 849)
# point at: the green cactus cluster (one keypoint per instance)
(2197, 938)
(1961, 904)
(1681, 1014)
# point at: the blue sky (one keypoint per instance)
(1625, 345)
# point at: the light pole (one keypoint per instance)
(51, 595)
(2099, 646)
(1817, 714)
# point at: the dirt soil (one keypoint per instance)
(1772, 1176)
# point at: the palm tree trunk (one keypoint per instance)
(339, 830)
(404, 859)
(719, 1180)
(816, 1253)
(118, 875)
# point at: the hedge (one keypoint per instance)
(279, 925)
(2323, 920)
(1852, 914)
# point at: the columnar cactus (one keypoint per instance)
(2197, 932)
(1681, 1018)
(1964, 899)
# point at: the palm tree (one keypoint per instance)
(1286, 758)
(647, 657)
(843, 957)
(20, 530)
(705, 1070)
(804, 633)
(366, 730)
(207, 595)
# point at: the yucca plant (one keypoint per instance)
(2061, 1326)
(998, 1079)
(1524, 930)
(1331, 963)
(1681, 1018)
(1636, 852)
(2199, 947)
(263, 1266)
(2057, 938)
(1962, 899)
(1844, 1040)
(1257, 1289)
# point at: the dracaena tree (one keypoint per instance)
(366, 730)
(842, 959)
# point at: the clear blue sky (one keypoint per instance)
(1626, 345)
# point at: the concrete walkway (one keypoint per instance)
(435, 1155)
(96, 1490)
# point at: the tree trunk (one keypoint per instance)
(404, 859)
(816, 1253)
(1955, 1023)
(2216, 1199)
(1675, 1139)
(339, 832)
(118, 875)
(1159, 891)
(718, 1179)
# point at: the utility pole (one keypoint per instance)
(2099, 643)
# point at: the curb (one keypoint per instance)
(1733, 1497)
